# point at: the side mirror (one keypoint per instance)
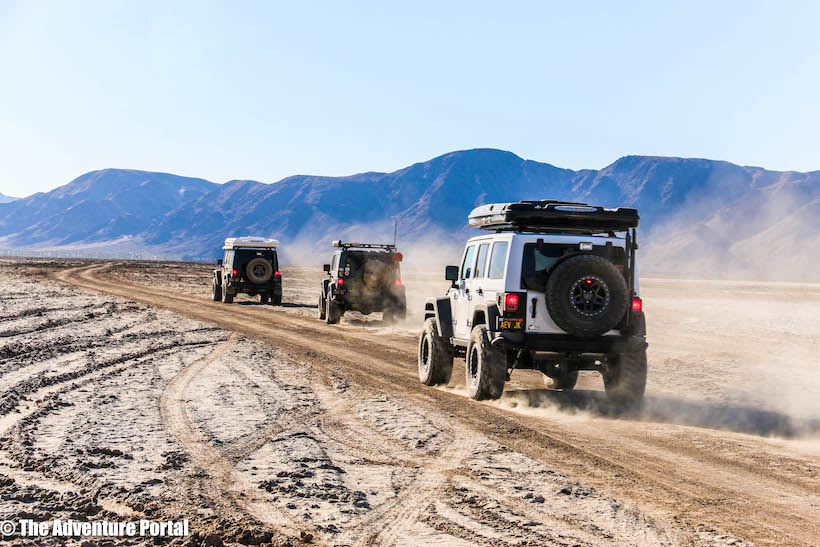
(219, 262)
(326, 268)
(451, 273)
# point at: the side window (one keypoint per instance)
(334, 265)
(467, 265)
(481, 263)
(226, 260)
(498, 260)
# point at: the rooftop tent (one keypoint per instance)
(553, 216)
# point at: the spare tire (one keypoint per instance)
(259, 271)
(586, 295)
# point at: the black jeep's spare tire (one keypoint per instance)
(259, 271)
(586, 295)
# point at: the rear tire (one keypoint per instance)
(625, 378)
(435, 356)
(276, 299)
(486, 366)
(388, 316)
(264, 298)
(227, 298)
(333, 312)
(216, 291)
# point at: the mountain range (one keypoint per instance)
(6, 199)
(698, 216)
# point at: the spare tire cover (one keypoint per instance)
(586, 295)
(259, 270)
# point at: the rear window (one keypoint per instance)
(243, 256)
(539, 260)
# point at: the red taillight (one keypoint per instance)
(340, 282)
(511, 302)
(235, 272)
(637, 305)
(398, 282)
(276, 273)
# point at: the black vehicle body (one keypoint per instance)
(248, 270)
(365, 278)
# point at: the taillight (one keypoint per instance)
(398, 282)
(511, 303)
(637, 305)
(340, 282)
(235, 272)
(276, 273)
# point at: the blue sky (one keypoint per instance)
(263, 90)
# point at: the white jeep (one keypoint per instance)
(552, 286)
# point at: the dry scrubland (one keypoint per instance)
(262, 425)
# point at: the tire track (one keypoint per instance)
(669, 484)
(220, 471)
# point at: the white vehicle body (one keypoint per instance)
(480, 287)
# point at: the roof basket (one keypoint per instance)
(350, 245)
(553, 216)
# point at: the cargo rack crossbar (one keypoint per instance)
(352, 245)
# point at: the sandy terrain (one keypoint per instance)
(126, 393)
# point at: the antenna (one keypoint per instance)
(395, 230)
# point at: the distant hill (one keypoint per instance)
(699, 217)
(6, 199)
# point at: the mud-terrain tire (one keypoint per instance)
(216, 290)
(321, 309)
(333, 312)
(486, 366)
(227, 298)
(259, 271)
(587, 296)
(625, 378)
(276, 299)
(565, 382)
(435, 356)
(264, 298)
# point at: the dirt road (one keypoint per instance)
(292, 430)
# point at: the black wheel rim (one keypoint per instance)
(589, 296)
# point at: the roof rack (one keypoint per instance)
(349, 245)
(567, 217)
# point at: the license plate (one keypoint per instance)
(512, 324)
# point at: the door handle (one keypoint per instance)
(534, 302)
(480, 291)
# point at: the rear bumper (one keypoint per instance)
(566, 343)
(245, 287)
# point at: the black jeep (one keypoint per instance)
(363, 277)
(250, 266)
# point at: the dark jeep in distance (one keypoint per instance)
(250, 266)
(363, 277)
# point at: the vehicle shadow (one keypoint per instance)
(731, 417)
(282, 305)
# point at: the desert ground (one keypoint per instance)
(127, 393)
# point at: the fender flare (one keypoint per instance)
(491, 315)
(438, 307)
(325, 287)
